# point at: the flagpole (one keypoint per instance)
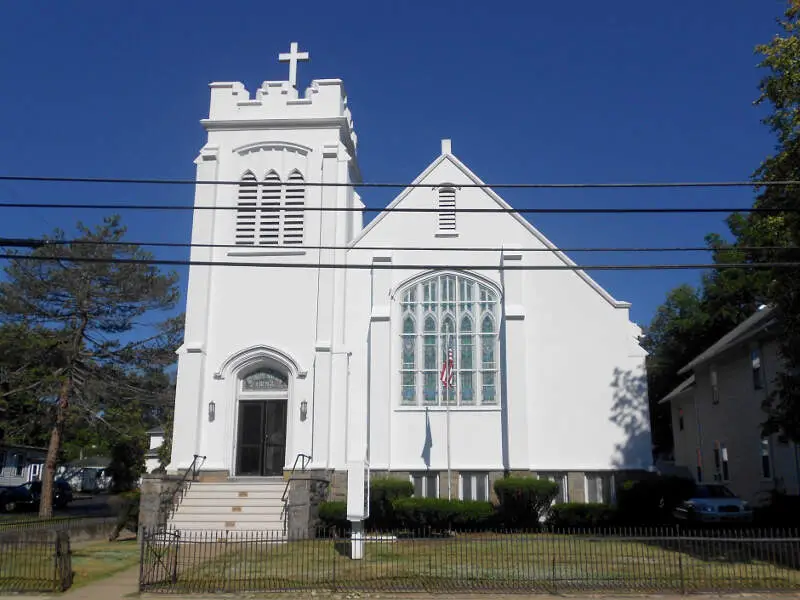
(447, 409)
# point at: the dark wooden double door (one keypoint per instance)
(261, 440)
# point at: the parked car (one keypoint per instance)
(713, 503)
(28, 495)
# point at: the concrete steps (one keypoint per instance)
(233, 506)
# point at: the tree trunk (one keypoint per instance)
(49, 472)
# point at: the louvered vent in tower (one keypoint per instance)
(294, 210)
(269, 232)
(447, 209)
(246, 217)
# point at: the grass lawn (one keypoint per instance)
(30, 567)
(534, 562)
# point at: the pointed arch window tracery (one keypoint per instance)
(449, 312)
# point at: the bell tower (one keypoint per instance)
(276, 218)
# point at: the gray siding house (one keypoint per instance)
(20, 464)
(717, 414)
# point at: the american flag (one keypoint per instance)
(447, 374)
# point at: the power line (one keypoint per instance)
(409, 267)
(270, 209)
(612, 185)
(35, 242)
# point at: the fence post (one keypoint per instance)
(142, 541)
(680, 558)
(335, 552)
(175, 562)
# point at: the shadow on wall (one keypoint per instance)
(630, 412)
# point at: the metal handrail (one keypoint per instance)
(180, 490)
(306, 459)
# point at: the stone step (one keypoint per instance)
(215, 530)
(226, 510)
(239, 485)
(226, 515)
(243, 495)
(227, 502)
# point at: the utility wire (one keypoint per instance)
(390, 266)
(278, 209)
(664, 184)
(36, 243)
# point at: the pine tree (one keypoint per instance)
(92, 295)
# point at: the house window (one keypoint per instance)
(766, 459)
(755, 361)
(699, 466)
(721, 462)
(714, 387)
(447, 208)
(270, 214)
(600, 488)
(443, 313)
(680, 419)
(475, 486)
(426, 485)
(561, 480)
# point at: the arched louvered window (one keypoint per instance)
(446, 312)
(269, 231)
(246, 216)
(447, 208)
(294, 212)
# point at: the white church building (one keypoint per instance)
(320, 339)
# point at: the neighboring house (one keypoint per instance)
(20, 464)
(717, 414)
(86, 474)
(343, 365)
(151, 460)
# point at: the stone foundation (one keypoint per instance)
(155, 499)
(306, 492)
(576, 481)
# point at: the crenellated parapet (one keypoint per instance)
(324, 100)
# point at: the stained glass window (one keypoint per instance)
(443, 313)
(265, 380)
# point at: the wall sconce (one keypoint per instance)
(303, 410)
(212, 411)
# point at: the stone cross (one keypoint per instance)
(292, 57)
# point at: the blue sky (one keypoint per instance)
(528, 92)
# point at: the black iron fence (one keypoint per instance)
(38, 561)
(56, 523)
(657, 560)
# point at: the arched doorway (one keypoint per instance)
(263, 396)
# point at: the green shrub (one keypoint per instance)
(440, 514)
(651, 501)
(382, 492)
(573, 515)
(523, 500)
(333, 515)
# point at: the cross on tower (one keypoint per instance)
(292, 57)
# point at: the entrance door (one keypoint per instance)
(261, 443)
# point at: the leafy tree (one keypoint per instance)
(779, 227)
(127, 464)
(685, 326)
(93, 294)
